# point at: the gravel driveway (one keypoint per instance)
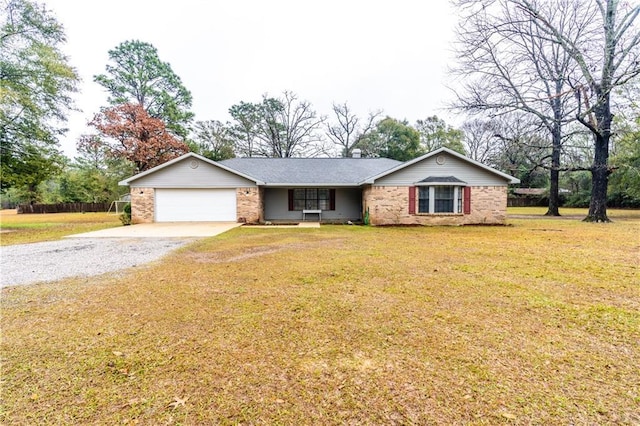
(54, 260)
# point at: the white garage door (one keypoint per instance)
(195, 205)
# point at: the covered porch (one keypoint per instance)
(328, 205)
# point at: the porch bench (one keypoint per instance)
(306, 212)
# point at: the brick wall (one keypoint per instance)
(488, 205)
(249, 204)
(142, 205)
(389, 205)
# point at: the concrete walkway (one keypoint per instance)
(162, 230)
(276, 226)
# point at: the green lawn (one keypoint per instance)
(31, 228)
(533, 323)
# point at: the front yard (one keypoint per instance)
(534, 323)
(29, 228)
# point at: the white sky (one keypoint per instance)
(373, 54)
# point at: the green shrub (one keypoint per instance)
(623, 199)
(579, 199)
(125, 217)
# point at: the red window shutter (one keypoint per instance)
(412, 200)
(467, 200)
(290, 199)
(332, 199)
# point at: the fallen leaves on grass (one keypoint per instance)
(340, 325)
(246, 253)
(177, 402)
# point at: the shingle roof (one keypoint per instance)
(310, 171)
(442, 179)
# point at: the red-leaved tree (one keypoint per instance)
(131, 134)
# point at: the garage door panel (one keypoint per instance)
(195, 205)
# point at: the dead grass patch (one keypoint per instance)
(341, 325)
(269, 246)
(31, 228)
(572, 212)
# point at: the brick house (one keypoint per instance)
(442, 187)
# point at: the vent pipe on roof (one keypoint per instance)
(356, 153)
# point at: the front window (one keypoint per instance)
(444, 199)
(311, 199)
(440, 199)
(423, 199)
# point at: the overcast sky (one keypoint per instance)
(373, 54)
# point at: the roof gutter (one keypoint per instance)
(310, 185)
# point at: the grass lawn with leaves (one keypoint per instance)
(572, 213)
(29, 228)
(533, 323)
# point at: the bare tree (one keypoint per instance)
(514, 67)
(277, 127)
(600, 43)
(349, 130)
(607, 60)
(480, 139)
(289, 127)
(520, 146)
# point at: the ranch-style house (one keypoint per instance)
(442, 187)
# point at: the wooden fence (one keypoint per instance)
(527, 201)
(63, 208)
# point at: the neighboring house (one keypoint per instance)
(442, 187)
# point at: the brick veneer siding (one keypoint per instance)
(488, 205)
(389, 205)
(249, 204)
(142, 205)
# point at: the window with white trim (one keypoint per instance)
(440, 199)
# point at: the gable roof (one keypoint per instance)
(184, 157)
(316, 171)
(310, 171)
(508, 178)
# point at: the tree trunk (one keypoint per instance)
(32, 193)
(554, 194)
(600, 168)
(554, 184)
(599, 181)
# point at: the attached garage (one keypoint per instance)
(195, 205)
(192, 188)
